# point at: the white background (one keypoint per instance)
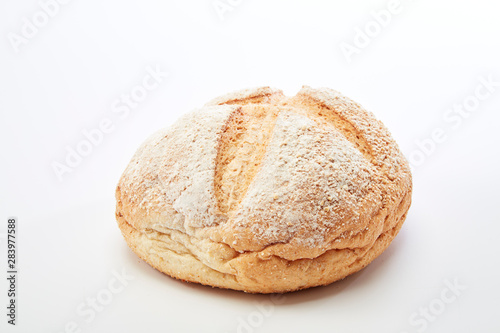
(64, 79)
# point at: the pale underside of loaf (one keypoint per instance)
(265, 193)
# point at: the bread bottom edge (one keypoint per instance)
(255, 275)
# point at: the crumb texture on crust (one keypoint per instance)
(318, 180)
(261, 192)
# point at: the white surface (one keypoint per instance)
(67, 77)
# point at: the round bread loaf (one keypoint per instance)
(265, 193)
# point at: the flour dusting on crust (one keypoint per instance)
(310, 180)
(175, 167)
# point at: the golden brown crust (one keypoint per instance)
(263, 193)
